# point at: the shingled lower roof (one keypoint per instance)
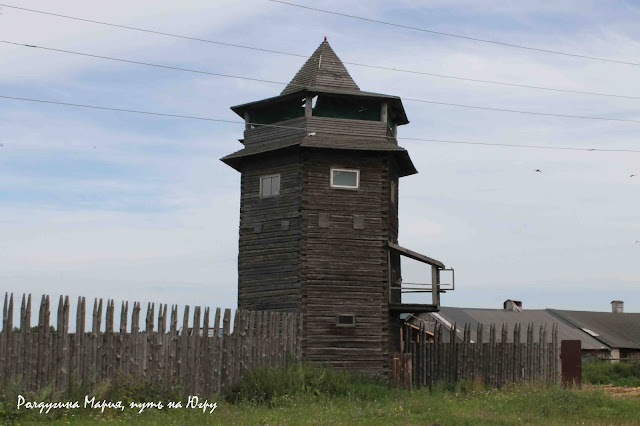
(326, 141)
(322, 70)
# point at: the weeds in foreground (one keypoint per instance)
(269, 385)
(310, 393)
(123, 388)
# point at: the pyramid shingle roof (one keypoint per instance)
(323, 70)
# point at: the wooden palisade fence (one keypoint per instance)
(204, 358)
(495, 363)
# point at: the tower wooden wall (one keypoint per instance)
(344, 261)
(315, 249)
(270, 233)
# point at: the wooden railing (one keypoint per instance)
(201, 357)
(397, 287)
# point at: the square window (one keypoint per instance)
(346, 320)
(345, 178)
(270, 186)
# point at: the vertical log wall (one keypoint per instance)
(494, 363)
(203, 358)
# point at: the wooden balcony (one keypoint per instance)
(413, 308)
(397, 287)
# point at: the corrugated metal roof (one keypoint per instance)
(618, 330)
(475, 316)
(327, 141)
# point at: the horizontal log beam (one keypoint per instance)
(414, 255)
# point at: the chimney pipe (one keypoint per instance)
(617, 306)
(512, 305)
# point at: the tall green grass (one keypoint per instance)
(125, 388)
(268, 385)
(307, 393)
(624, 373)
(514, 405)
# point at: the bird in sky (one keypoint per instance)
(538, 171)
(632, 176)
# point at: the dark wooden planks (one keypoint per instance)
(332, 132)
(344, 269)
(495, 363)
(268, 260)
(201, 362)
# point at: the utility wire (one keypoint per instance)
(425, 30)
(548, 114)
(358, 64)
(190, 117)
(498, 83)
(301, 86)
(143, 63)
(145, 30)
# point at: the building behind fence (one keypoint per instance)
(427, 359)
(204, 358)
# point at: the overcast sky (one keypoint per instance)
(107, 204)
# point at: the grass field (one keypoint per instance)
(549, 406)
(624, 373)
(311, 395)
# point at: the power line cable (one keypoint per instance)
(425, 30)
(499, 83)
(358, 64)
(300, 85)
(548, 114)
(146, 30)
(110, 58)
(190, 117)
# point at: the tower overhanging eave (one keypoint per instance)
(325, 142)
(395, 102)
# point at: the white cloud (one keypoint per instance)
(158, 220)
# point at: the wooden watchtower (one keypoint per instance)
(319, 214)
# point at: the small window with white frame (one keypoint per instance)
(269, 186)
(345, 178)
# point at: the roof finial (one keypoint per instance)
(325, 38)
